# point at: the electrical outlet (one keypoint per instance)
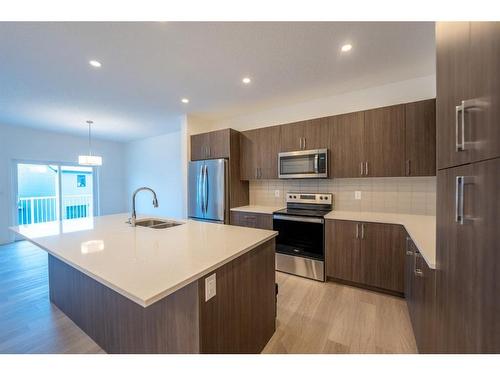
(210, 287)
(276, 193)
(357, 195)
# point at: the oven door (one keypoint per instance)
(303, 164)
(299, 236)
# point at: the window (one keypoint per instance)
(48, 192)
(81, 181)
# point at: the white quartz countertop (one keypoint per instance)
(143, 264)
(258, 209)
(421, 228)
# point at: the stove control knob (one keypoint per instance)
(321, 198)
(294, 197)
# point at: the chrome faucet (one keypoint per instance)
(134, 214)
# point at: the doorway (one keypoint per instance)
(50, 192)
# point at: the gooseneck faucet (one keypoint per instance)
(134, 214)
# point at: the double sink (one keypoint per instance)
(157, 223)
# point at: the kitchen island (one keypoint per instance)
(144, 290)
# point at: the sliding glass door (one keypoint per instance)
(49, 192)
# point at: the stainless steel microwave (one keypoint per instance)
(303, 164)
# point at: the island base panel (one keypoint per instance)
(240, 318)
(119, 325)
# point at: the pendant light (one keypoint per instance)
(91, 160)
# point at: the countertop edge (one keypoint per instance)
(157, 297)
(199, 275)
(257, 209)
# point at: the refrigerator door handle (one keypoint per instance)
(199, 195)
(206, 189)
(203, 190)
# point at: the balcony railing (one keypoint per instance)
(31, 210)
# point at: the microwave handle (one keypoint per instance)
(316, 162)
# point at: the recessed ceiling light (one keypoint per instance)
(185, 100)
(346, 47)
(246, 80)
(95, 63)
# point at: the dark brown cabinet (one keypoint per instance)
(420, 294)
(252, 220)
(420, 143)
(343, 254)
(259, 153)
(292, 136)
(468, 187)
(382, 260)
(346, 150)
(384, 142)
(305, 135)
(371, 254)
(212, 145)
(468, 92)
(223, 144)
(468, 281)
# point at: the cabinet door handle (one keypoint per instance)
(357, 230)
(417, 271)
(362, 231)
(408, 252)
(460, 183)
(361, 169)
(459, 199)
(459, 115)
(408, 170)
(305, 140)
(366, 168)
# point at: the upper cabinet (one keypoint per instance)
(305, 135)
(259, 153)
(420, 153)
(212, 145)
(468, 85)
(391, 141)
(346, 150)
(384, 142)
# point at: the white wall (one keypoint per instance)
(380, 96)
(18, 143)
(159, 163)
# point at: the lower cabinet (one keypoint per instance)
(370, 254)
(252, 220)
(420, 293)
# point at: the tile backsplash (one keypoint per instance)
(410, 195)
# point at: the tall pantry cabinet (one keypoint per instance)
(468, 187)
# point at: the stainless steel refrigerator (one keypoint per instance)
(208, 191)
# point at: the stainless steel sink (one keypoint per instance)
(156, 223)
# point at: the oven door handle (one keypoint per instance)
(316, 220)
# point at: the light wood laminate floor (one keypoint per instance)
(313, 317)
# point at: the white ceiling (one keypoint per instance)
(46, 82)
